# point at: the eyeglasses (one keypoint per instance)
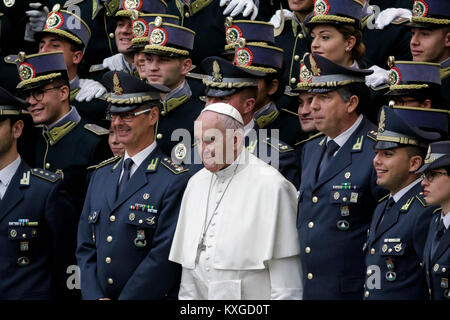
(430, 175)
(38, 94)
(125, 116)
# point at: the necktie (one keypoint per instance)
(437, 237)
(389, 204)
(126, 175)
(332, 147)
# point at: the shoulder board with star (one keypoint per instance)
(100, 131)
(104, 163)
(421, 198)
(383, 198)
(278, 145)
(173, 167)
(97, 67)
(309, 139)
(372, 134)
(45, 174)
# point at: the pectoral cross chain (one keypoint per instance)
(201, 247)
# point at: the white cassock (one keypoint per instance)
(251, 241)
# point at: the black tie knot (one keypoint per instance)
(332, 147)
(440, 230)
(127, 164)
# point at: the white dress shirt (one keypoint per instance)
(344, 136)
(138, 158)
(6, 175)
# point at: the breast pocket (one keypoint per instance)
(143, 225)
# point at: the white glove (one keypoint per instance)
(378, 77)
(37, 17)
(89, 89)
(385, 17)
(114, 63)
(237, 6)
(276, 18)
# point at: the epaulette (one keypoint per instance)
(45, 174)
(383, 198)
(97, 67)
(309, 139)
(421, 198)
(372, 135)
(100, 131)
(11, 59)
(280, 147)
(400, 20)
(173, 167)
(104, 163)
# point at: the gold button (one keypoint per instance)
(187, 15)
(310, 276)
(315, 199)
(24, 235)
(163, 113)
(47, 166)
(110, 281)
(159, 136)
(141, 221)
(300, 36)
(344, 199)
(297, 57)
(307, 249)
(109, 238)
(111, 35)
(108, 260)
(311, 225)
(429, 291)
(293, 80)
(366, 294)
(372, 251)
(112, 218)
(444, 269)
(389, 250)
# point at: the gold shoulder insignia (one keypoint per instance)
(372, 135)
(45, 174)
(100, 131)
(421, 198)
(400, 20)
(383, 198)
(279, 146)
(358, 144)
(173, 167)
(97, 67)
(104, 163)
(309, 139)
(407, 204)
(438, 210)
(153, 164)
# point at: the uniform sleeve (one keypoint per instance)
(61, 219)
(286, 278)
(156, 277)
(289, 167)
(87, 254)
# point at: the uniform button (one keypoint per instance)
(141, 221)
(366, 294)
(108, 260)
(444, 269)
(111, 35)
(307, 249)
(315, 199)
(311, 225)
(293, 80)
(300, 36)
(159, 136)
(163, 113)
(112, 218)
(344, 199)
(109, 238)
(372, 251)
(429, 291)
(110, 281)
(207, 269)
(187, 15)
(310, 276)
(47, 166)
(297, 57)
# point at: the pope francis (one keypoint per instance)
(236, 236)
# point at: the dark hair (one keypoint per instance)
(248, 92)
(356, 89)
(359, 49)
(416, 151)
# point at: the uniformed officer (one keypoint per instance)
(415, 84)
(237, 86)
(65, 31)
(131, 209)
(437, 251)
(430, 31)
(168, 60)
(338, 191)
(396, 239)
(62, 140)
(253, 51)
(37, 221)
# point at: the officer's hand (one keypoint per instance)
(114, 63)
(385, 17)
(378, 77)
(276, 18)
(38, 16)
(89, 89)
(237, 6)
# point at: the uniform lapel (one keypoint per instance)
(13, 194)
(390, 218)
(113, 181)
(443, 245)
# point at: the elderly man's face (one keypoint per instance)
(215, 145)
